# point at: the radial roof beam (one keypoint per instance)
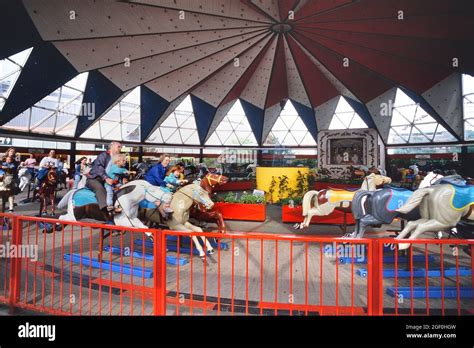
(308, 117)
(99, 96)
(110, 52)
(296, 88)
(118, 18)
(152, 106)
(380, 109)
(325, 112)
(446, 99)
(220, 8)
(45, 71)
(278, 83)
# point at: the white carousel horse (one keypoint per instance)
(181, 203)
(25, 178)
(441, 208)
(82, 203)
(376, 208)
(322, 203)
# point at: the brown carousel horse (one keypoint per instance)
(48, 190)
(197, 212)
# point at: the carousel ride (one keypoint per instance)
(374, 204)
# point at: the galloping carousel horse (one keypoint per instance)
(441, 208)
(380, 207)
(6, 187)
(208, 183)
(82, 204)
(322, 203)
(25, 177)
(48, 190)
(181, 203)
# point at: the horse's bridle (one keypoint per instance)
(431, 181)
(201, 203)
(218, 180)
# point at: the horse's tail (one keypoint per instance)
(415, 200)
(307, 198)
(358, 203)
(65, 200)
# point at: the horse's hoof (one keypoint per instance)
(296, 226)
(211, 252)
(403, 246)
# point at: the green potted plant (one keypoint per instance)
(247, 206)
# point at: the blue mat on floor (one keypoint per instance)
(184, 246)
(388, 259)
(434, 292)
(110, 266)
(170, 260)
(330, 247)
(420, 272)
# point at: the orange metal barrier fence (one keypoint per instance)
(72, 268)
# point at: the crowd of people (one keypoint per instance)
(103, 176)
(108, 173)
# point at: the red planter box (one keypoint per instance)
(326, 185)
(236, 186)
(296, 215)
(240, 211)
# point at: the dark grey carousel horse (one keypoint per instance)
(377, 208)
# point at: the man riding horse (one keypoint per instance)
(98, 174)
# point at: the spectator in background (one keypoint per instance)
(30, 164)
(9, 166)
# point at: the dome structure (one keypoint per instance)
(171, 71)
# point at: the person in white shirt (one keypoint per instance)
(47, 162)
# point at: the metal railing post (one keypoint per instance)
(376, 268)
(159, 274)
(15, 263)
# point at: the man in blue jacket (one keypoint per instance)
(98, 174)
(156, 175)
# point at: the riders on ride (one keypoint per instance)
(79, 168)
(173, 179)
(98, 174)
(156, 175)
(46, 163)
(114, 171)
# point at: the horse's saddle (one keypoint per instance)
(147, 205)
(84, 197)
(451, 179)
(398, 197)
(335, 196)
(462, 197)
